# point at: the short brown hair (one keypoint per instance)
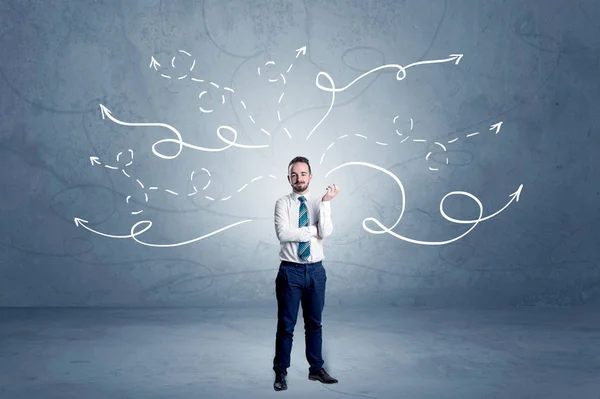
(300, 159)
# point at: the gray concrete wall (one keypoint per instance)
(531, 65)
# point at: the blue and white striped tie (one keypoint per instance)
(303, 247)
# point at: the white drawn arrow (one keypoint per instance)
(496, 126)
(133, 234)
(453, 57)
(153, 63)
(106, 113)
(400, 75)
(96, 161)
(301, 50)
(384, 229)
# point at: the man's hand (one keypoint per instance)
(332, 191)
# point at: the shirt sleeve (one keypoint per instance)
(325, 225)
(282, 222)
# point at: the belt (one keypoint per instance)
(286, 262)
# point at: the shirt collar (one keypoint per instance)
(295, 195)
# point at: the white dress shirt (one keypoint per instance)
(287, 210)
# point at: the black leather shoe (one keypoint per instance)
(280, 383)
(322, 376)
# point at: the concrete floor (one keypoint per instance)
(375, 353)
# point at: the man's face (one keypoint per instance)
(299, 177)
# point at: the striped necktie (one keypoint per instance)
(303, 247)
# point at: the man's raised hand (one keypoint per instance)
(332, 191)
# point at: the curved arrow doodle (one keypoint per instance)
(300, 51)
(400, 75)
(106, 113)
(514, 197)
(133, 234)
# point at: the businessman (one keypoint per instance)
(302, 221)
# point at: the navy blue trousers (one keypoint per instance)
(296, 284)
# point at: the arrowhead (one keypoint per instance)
(517, 193)
(79, 221)
(105, 111)
(497, 127)
(458, 57)
(301, 50)
(95, 160)
(154, 63)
